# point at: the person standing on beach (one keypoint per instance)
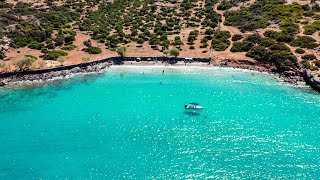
(162, 72)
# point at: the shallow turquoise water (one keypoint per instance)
(134, 126)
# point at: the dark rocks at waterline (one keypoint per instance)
(62, 71)
(48, 75)
(312, 79)
(291, 77)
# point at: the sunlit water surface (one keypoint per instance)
(134, 126)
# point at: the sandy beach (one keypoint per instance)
(36, 79)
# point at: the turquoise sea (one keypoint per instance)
(130, 123)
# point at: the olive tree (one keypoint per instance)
(166, 52)
(174, 52)
(121, 51)
(61, 60)
(25, 63)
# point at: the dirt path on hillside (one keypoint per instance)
(221, 26)
(233, 30)
(242, 5)
(217, 56)
(303, 2)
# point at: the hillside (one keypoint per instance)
(279, 33)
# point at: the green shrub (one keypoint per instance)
(2, 56)
(59, 40)
(51, 56)
(304, 22)
(299, 51)
(309, 57)
(259, 53)
(5, 5)
(69, 48)
(283, 59)
(304, 42)
(209, 31)
(259, 14)
(288, 26)
(279, 36)
(23, 8)
(241, 46)
(50, 45)
(192, 36)
(140, 41)
(317, 63)
(87, 43)
(220, 44)
(168, 33)
(31, 56)
(36, 45)
(21, 38)
(306, 64)
(224, 5)
(69, 39)
(254, 38)
(267, 42)
(93, 50)
(62, 53)
(237, 37)
(314, 68)
(279, 46)
(309, 13)
(55, 54)
(177, 41)
(312, 28)
(192, 47)
(220, 40)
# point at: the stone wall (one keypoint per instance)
(95, 66)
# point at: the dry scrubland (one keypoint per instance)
(46, 33)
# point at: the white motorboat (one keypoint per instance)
(193, 106)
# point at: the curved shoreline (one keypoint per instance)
(44, 75)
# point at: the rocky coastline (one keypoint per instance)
(11, 79)
(14, 78)
(312, 79)
(292, 77)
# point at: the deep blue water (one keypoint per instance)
(108, 126)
